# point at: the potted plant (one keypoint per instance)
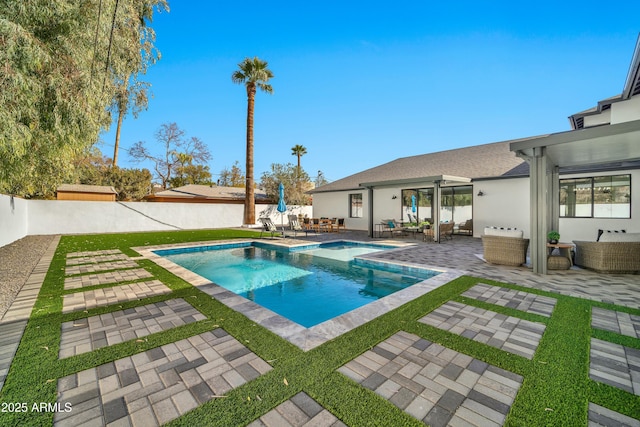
(553, 237)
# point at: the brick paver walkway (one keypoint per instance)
(616, 365)
(299, 411)
(519, 300)
(434, 384)
(616, 321)
(156, 386)
(83, 335)
(507, 333)
(80, 301)
(109, 278)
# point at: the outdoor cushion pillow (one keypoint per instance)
(600, 232)
(504, 232)
(620, 237)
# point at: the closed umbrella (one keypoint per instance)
(282, 206)
(413, 204)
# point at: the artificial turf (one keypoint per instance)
(555, 391)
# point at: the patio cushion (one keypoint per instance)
(504, 232)
(620, 237)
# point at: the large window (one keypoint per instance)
(456, 204)
(355, 205)
(596, 197)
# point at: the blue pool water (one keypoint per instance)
(307, 286)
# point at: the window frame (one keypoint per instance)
(354, 207)
(592, 196)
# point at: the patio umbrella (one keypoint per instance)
(282, 206)
(413, 204)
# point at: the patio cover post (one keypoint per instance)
(436, 211)
(370, 210)
(539, 185)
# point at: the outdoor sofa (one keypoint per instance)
(613, 253)
(504, 246)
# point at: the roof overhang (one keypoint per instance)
(590, 146)
(442, 179)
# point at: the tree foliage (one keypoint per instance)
(131, 184)
(233, 177)
(176, 153)
(295, 181)
(299, 151)
(57, 81)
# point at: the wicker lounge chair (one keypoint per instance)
(504, 247)
(467, 227)
(609, 257)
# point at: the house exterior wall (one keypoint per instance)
(587, 228)
(13, 219)
(599, 119)
(625, 111)
(505, 203)
(336, 205)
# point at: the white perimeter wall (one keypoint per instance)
(13, 219)
(32, 217)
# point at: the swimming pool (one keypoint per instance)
(308, 285)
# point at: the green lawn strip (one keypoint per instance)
(615, 399)
(554, 391)
(125, 241)
(615, 338)
(355, 405)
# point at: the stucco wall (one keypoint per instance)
(13, 219)
(336, 205)
(504, 203)
(30, 217)
(625, 111)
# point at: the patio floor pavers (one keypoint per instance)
(80, 301)
(601, 416)
(507, 333)
(96, 257)
(88, 334)
(299, 411)
(103, 266)
(159, 385)
(108, 278)
(519, 300)
(616, 321)
(435, 384)
(616, 365)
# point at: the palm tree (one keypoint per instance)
(254, 74)
(298, 150)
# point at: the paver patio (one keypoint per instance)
(430, 382)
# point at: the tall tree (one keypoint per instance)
(53, 104)
(295, 181)
(298, 150)
(176, 152)
(254, 74)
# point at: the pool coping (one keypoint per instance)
(304, 338)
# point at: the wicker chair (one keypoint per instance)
(609, 257)
(505, 250)
(446, 232)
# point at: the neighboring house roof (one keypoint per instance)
(84, 188)
(207, 193)
(480, 161)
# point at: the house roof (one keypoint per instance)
(84, 188)
(480, 161)
(209, 192)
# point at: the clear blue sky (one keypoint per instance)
(362, 83)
